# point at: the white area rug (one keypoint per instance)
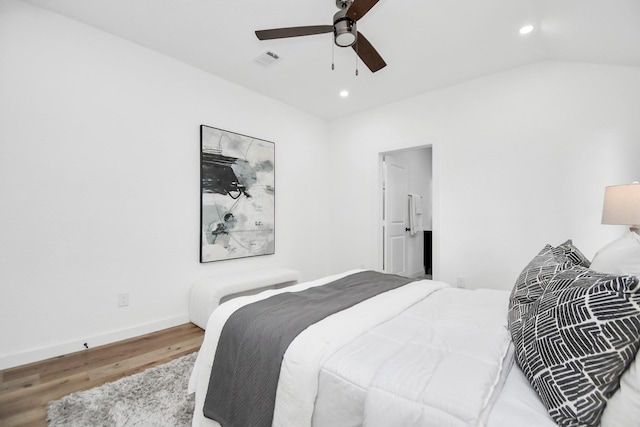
(156, 397)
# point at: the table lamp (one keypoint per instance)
(622, 206)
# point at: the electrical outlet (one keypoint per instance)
(461, 283)
(123, 299)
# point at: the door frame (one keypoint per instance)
(435, 214)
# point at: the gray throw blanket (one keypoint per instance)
(246, 368)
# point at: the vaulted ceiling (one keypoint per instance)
(427, 44)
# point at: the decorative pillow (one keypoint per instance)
(533, 279)
(623, 409)
(541, 268)
(531, 283)
(574, 254)
(577, 340)
(622, 256)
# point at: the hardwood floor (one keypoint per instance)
(26, 390)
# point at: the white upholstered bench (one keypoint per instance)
(209, 292)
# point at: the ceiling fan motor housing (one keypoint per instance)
(344, 29)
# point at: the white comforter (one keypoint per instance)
(435, 356)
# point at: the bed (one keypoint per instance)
(420, 354)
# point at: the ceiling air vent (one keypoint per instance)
(268, 58)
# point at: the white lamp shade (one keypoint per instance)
(622, 204)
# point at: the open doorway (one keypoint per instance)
(407, 212)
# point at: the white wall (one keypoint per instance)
(99, 183)
(100, 195)
(521, 158)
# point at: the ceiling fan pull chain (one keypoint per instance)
(333, 62)
(357, 55)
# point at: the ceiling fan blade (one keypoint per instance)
(281, 33)
(359, 8)
(368, 54)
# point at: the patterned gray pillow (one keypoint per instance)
(541, 268)
(575, 256)
(530, 285)
(577, 339)
(534, 278)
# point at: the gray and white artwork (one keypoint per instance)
(237, 195)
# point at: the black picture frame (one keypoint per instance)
(237, 195)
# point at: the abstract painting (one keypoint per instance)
(237, 176)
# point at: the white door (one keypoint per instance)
(396, 192)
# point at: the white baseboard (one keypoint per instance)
(68, 347)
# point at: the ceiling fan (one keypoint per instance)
(344, 31)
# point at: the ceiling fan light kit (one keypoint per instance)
(344, 30)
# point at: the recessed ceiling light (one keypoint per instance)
(526, 29)
(344, 93)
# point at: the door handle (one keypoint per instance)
(407, 229)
